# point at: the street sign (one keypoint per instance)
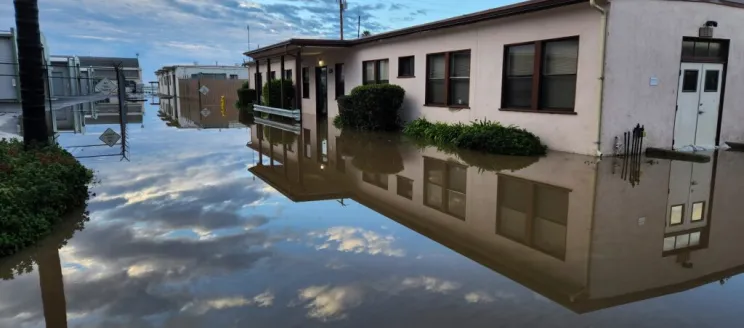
(110, 137)
(205, 112)
(106, 86)
(204, 90)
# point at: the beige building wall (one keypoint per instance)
(645, 41)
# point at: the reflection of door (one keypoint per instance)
(321, 90)
(689, 192)
(698, 103)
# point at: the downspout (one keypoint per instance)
(602, 54)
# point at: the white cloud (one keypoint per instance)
(478, 297)
(265, 299)
(357, 240)
(431, 284)
(331, 303)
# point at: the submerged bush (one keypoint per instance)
(374, 107)
(486, 136)
(37, 188)
(276, 94)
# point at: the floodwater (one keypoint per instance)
(260, 227)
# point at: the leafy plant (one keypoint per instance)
(486, 136)
(246, 96)
(276, 94)
(374, 107)
(37, 187)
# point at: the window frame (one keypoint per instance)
(403, 75)
(447, 77)
(445, 186)
(537, 77)
(376, 73)
(306, 83)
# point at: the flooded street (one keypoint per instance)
(231, 225)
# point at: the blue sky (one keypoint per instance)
(166, 32)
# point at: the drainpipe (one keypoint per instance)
(602, 54)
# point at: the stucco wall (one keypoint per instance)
(645, 40)
(572, 133)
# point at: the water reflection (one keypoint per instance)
(568, 227)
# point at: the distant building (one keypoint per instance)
(10, 84)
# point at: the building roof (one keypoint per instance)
(500, 12)
(108, 61)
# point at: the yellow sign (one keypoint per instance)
(222, 106)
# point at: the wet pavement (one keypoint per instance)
(259, 227)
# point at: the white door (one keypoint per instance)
(698, 102)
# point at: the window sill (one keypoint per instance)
(539, 111)
(447, 106)
(406, 77)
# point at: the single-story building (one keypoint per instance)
(578, 73)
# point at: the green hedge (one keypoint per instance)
(37, 188)
(246, 96)
(374, 107)
(486, 136)
(276, 94)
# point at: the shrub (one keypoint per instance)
(486, 136)
(37, 187)
(374, 107)
(276, 94)
(246, 96)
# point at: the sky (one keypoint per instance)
(168, 32)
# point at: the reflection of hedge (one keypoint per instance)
(246, 116)
(23, 261)
(483, 161)
(276, 96)
(37, 187)
(372, 152)
(274, 136)
(374, 107)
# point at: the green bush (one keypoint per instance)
(486, 136)
(374, 107)
(246, 96)
(276, 94)
(37, 188)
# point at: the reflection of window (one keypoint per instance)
(685, 240)
(445, 185)
(676, 214)
(405, 187)
(376, 179)
(533, 214)
(308, 143)
(340, 162)
(698, 211)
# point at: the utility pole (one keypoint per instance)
(31, 72)
(248, 27)
(341, 7)
(359, 26)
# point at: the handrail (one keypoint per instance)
(277, 125)
(295, 114)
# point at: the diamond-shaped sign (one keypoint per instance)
(204, 90)
(205, 112)
(110, 137)
(106, 86)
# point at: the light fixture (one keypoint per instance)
(321, 63)
(322, 167)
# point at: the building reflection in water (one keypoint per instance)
(566, 226)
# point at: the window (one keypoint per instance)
(699, 50)
(698, 211)
(233, 76)
(711, 81)
(340, 161)
(375, 71)
(533, 214)
(209, 76)
(272, 76)
(405, 187)
(676, 214)
(340, 80)
(445, 185)
(307, 143)
(681, 241)
(448, 79)
(288, 74)
(406, 66)
(306, 82)
(541, 75)
(376, 179)
(690, 80)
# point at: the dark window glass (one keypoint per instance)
(375, 71)
(377, 179)
(435, 80)
(558, 80)
(701, 49)
(288, 74)
(445, 186)
(520, 64)
(306, 82)
(233, 76)
(405, 187)
(459, 79)
(688, 48)
(369, 72)
(340, 80)
(383, 71)
(272, 76)
(690, 81)
(711, 81)
(714, 50)
(406, 66)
